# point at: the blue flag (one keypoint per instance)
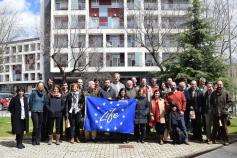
(110, 115)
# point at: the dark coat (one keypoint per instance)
(107, 93)
(221, 101)
(55, 106)
(196, 101)
(142, 110)
(15, 109)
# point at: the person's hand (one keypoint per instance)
(174, 108)
(152, 118)
(181, 112)
(191, 107)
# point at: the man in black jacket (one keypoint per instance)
(220, 102)
(107, 91)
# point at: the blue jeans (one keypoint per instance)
(183, 127)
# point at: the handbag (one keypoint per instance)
(67, 123)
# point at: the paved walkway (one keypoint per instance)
(103, 150)
(225, 152)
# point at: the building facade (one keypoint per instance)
(22, 65)
(107, 31)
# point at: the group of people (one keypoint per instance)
(168, 109)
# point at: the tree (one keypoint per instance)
(199, 57)
(70, 56)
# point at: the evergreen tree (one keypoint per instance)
(199, 57)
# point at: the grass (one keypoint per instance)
(5, 127)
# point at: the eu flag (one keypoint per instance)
(110, 115)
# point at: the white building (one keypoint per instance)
(22, 65)
(105, 28)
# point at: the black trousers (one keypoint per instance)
(19, 136)
(197, 127)
(75, 124)
(58, 121)
(37, 118)
(216, 126)
(44, 130)
(160, 128)
(140, 131)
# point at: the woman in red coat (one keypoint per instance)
(157, 113)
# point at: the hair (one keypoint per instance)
(120, 91)
(153, 96)
(37, 84)
(74, 84)
(202, 79)
(116, 74)
(20, 89)
(139, 90)
(57, 86)
(95, 80)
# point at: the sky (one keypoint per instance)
(28, 15)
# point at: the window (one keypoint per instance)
(96, 60)
(13, 59)
(135, 59)
(39, 76)
(38, 56)
(61, 22)
(30, 62)
(78, 40)
(166, 56)
(7, 50)
(115, 40)
(94, 22)
(7, 78)
(96, 40)
(13, 49)
(94, 3)
(19, 58)
(26, 77)
(6, 59)
(19, 48)
(32, 76)
(115, 59)
(60, 41)
(78, 4)
(134, 41)
(62, 60)
(38, 46)
(149, 60)
(7, 68)
(150, 4)
(16, 72)
(131, 22)
(32, 47)
(26, 48)
(78, 22)
(38, 66)
(61, 4)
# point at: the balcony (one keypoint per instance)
(115, 60)
(114, 40)
(61, 5)
(61, 22)
(78, 22)
(78, 4)
(167, 6)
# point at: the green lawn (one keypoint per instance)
(5, 127)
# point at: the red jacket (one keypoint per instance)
(179, 98)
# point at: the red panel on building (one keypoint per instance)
(103, 21)
(94, 12)
(105, 2)
(115, 12)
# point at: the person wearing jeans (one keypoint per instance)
(36, 104)
(55, 106)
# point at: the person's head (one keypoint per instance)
(40, 86)
(173, 86)
(56, 89)
(202, 81)
(50, 81)
(107, 83)
(209, 86)
(129, 84)
(116, 77)
(153, 81)
(122, 93)
(80, 83)
(91, 85)
(20, 91)
(74, 87)
(156, 94)
(169, 80)
(134, 80)
(97, 82)
(220, 85)
(193, 84)
(65, 86)
(140, 92)
(182, 86)
(144, 81)
(162, 86)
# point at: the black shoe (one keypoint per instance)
(37, 142)
(138, 141)
(33, 142)
(20, 146)
(142, 141)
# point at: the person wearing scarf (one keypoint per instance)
(37, 102)
(55, 106)
(19, 116)
(157, 115)
(74, 102)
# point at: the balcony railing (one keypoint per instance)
(167, 6)
(150, 6)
